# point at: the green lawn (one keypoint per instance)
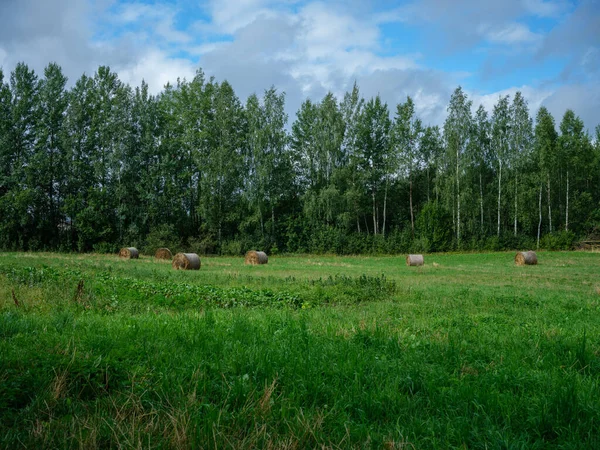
(305, 352)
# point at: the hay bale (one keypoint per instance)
(253, 257)
(526, 258)
(186, 261)
(414, 260)
(163, 253)
(129, 253)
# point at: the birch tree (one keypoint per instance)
(545, 147)
(521, 135)
(479, 155)
(374, 147)
(457, 132)
(500, 144)
(406, 132)
(573, 151)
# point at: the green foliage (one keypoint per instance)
(105, 247)
(232, 248)
(559, 240)
(162, 236)
(434, 226)
(102, 164)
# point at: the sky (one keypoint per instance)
(547, 49)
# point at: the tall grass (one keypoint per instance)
(367, 354)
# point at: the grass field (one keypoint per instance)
(468, 351)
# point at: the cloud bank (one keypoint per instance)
(549, 50)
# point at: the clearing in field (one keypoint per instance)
(468, 350)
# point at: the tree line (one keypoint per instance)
(103, 164)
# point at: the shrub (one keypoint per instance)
(232, 248)
(105, 247)
(558, 240)
(162, 236)
(434, 224)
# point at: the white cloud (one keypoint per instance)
(229, 16)
(535, 97)
(156, 68)
(512, 33)
(305, 49)
(543, 8)
(158, 20)
(325, 30)
(3, 56)
(591, 61)
(583, 99)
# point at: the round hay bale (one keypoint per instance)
(526, 258)
(415, 260)
(186, 261)
(163, 253)
(129, 253)
(253, 257)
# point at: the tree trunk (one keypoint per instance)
(437, 187)
(457, 199)
(262, 222)
(567, 211)
(453, 210)
(272, 221)
(51, 192)
(540, 221)
(549, 206)
(481, 200)
(385, 206)
(516, 200)
(428, 182)
(220, 209)
(412, 217)
(499, 195)
(374, 214)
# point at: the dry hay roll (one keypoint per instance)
(186, 261)
(526, 258)
(129, 253)
(253, 257)
(163, 253)
(414, 260)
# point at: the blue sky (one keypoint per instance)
(548, 49)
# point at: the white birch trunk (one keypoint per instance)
(516, 201)
(567, 212)
(412, 217)
(499, 194)
(481, 200)
(540, 221)
(374, 214)
(272, 221)
(385, 205)
(457, 199)
(549, 206)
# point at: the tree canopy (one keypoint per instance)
(102, 164)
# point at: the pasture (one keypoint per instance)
(467, 351)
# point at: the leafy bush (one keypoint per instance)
(105, 247)
(559, 240)
(435, 225)
(162, 236)
(202, 245)
(346, 289)
(232, 248)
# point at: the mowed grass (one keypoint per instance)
(468, 351)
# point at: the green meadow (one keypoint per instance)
(468, 351)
